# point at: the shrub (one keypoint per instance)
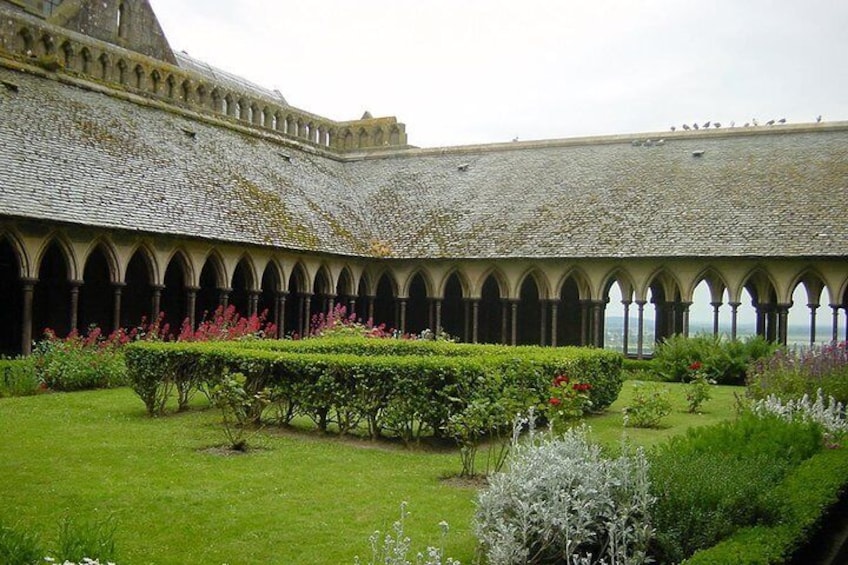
(568, 402)
(561, 500)
(80, 540)
(723, 360)
(697, 387)
(394, 548)
(80, 363)
(18, 377)
(239, 408)
(791, 374)
(717, 479)
(650, 404)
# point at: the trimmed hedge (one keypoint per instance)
(807, 492)
(405, 388)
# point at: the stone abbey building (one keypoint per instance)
(135, 180)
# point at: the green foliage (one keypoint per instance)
(239, 408)
(698, 387)
(18, 377)
(723, 360)
(649, 405)
(80, 539)
(75, 364)
(792, 374)
(19, 547)
(342, 382)
(718, 479)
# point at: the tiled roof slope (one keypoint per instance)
(71, 155)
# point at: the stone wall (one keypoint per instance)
(34, 41)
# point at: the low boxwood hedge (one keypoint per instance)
(402, 387)
(807, 492)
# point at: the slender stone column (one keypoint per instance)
(116, 311)
(716, 306)
(475, 320)
(402, 308)
(306, 297)
(28, 287)
(224, 296)
(626, 337)
(543, 322)
(504, 321)
(813, 308)
(431, 315)
(371, 308)
(351, 305)
(734, 316)
(466, 326)
(584, 322)
(685, 306)
(437, 306)
(280, 312)
(514, 320)
(191, 305)
(835, 334)
(331, 303)
(640, 339)
(781, 313)
(74, 313)
(597, 323)
(155, 300)
(253, 303)
(554, 321)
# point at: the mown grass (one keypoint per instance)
(300, 498)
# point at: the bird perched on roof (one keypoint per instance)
(717, 125)
(818, 119)
(673, 128)
(770, 123)
(733, 124)
(746, 124)
(781, 121)
(706, 125)
(755, 122)
(686, 127)
(695, 126)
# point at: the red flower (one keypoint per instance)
(561, 379)
(555, 401)
(695, 366)
(581, 387)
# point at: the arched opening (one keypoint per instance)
(385, 306)
(322, 292)
(808, 323)
(418, 316)
(295, 304)
(11, 312)
(137, 296)
(529, 324)
(344, 292)
(453, 309)
(621, 324)
(570, 329)
(669, 311)
(242, 285)
(121, 24)
(209, 293)
(173, 302)
(491, 318)
(52, 294)
(268, 304)
(96, 295)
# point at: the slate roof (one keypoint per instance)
(76, 156)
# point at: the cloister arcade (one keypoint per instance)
(72, 279)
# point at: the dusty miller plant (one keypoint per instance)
(561, 500)
(829, 414)
(394, 547)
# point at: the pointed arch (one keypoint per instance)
(453, 292)
(529, 327)
(212, 288)
(137, 298)
(96, 294)
(271, 294)
(419, 314)
(385, 300)
(243, 286)
(53, 303)
(11, 304)
(570, 325)
(298, 302)
(177, 280)
(490, 324)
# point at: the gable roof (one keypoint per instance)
(77, 156)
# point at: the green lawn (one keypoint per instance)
(301, 498)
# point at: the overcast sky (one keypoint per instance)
(476, 71)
